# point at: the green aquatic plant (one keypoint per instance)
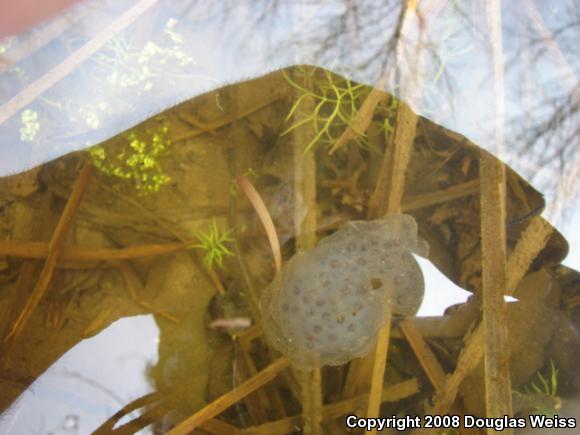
(547, 386)
(126, 65)
(137, 160)
(544, 386)
(213, 243)
(336, 101)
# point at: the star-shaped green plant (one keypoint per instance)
(213, 243)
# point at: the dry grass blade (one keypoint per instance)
(54, 249)
(42, 84)
(258, 204)
(228, 399)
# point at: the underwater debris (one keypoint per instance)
(327, 304)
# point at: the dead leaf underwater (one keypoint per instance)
(237, 130)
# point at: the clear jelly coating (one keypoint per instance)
(326, 305)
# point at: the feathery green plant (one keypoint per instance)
(336, 102)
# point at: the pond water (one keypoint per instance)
(256, 195)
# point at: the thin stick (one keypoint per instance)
(445, 195)
(364, 116)
(54, 249)
(257, 403)
(493, 266)
(378, 373)
(390, 186)
(228, 399)
(424, 354)
(532, 241)
(39, 250)
(210, 127)
(305, 230)
(258, 204)
(498, 394)
(52, 77)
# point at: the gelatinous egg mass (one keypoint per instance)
(326, 305)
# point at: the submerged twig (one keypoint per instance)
(40, 250)
(498, 392)
(305, 228)
(228, 399)
(54, 250)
